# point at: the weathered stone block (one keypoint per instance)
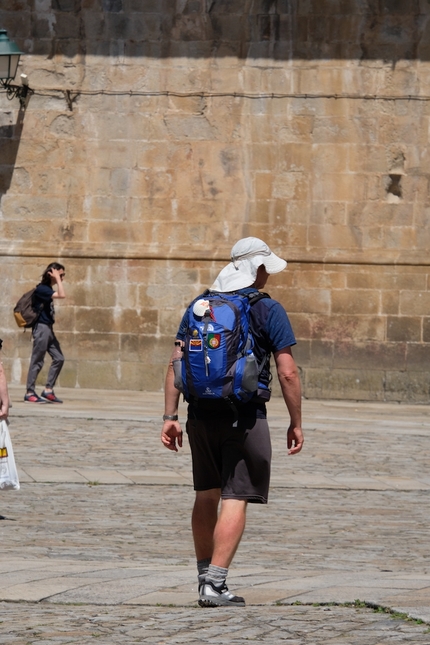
(103, 231)
(404, 329)
(362, 301)
(291, 185)
(69, 374)
(102, 346)
(308, 300)
(414, 303)
(104, 373)
(103, 295)
(106, 208)
(45, 208)
(400, 237)
(426, 329)
(407, 386)
(189, 128)
(369, 356)
(130, 346)
(387, 278)
(64, 316)
(422, 240)
(398, 130)
(390, 302)
(333, 236)
(300, 323)
(302, 353)
(313, 278)
(367, 158)
(331, 130)
(144, 321)
(335, 187)
(330, 158)
(142, 376)
(294, 130)
(418, 357)
(351, 328)
(266, 210)
(361, 385)
(263, 185)
(263, 157)
(322, 352)
(332, 213)
(94, 319)
(295, 157)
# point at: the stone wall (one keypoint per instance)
(160, 132)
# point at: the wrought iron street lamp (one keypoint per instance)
(9, 59)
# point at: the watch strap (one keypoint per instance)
(170, 417)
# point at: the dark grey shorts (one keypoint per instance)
(234, 459)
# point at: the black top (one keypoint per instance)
(43, 295)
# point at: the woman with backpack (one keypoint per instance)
(44, 339)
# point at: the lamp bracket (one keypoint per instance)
(21, 92)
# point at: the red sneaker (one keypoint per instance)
(33, 398)
(50, 396)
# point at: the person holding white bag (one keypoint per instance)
(4, 394)
(9, 479)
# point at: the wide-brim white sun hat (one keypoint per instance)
(246, 256)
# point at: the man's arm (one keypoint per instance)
(4, 395)
(60, 293)
(171, 431)
(289, 381)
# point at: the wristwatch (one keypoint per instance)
(170, 417)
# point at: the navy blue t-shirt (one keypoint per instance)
(43, 295)
(271, 329)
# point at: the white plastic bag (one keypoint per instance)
(8, 473)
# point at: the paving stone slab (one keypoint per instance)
(46, 624)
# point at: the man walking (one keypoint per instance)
(231, 450)
(44, 339)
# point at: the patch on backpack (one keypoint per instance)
(214, 340)
(195, 345)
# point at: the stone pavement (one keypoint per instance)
(97, 544)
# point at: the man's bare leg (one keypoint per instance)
(204, 520)
(228, 531)
(216, 539)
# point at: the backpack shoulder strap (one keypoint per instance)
(37, 309)
(255, 296)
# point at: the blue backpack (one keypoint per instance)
(218, 360)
